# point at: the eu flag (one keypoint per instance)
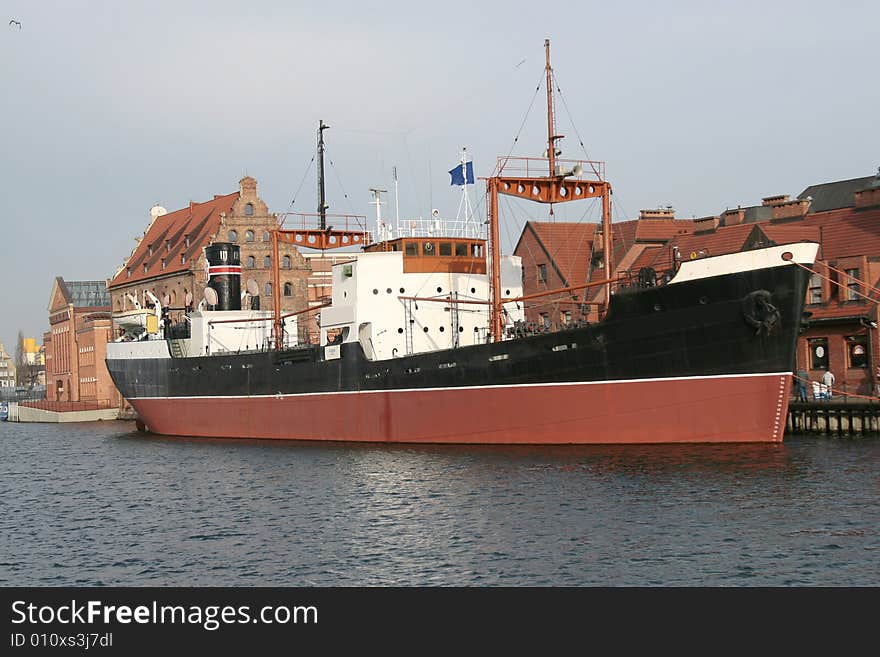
(463, 174)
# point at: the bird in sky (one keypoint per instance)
(14, 22)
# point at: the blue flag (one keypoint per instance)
(463, 177)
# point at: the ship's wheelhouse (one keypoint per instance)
(441, 254)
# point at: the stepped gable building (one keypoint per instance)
(75, 344)
(561, 254)
(169, 259)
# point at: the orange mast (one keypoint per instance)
(564, 183)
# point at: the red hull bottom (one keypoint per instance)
(717, 409)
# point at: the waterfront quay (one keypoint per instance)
(843, 417)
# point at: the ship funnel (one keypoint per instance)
(224, 274)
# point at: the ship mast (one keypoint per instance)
(322, 203)
(563, 183)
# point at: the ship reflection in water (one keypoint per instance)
(95, 504)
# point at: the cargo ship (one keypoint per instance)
(423, 340)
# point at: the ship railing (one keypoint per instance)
(539, 167)
(312, 221)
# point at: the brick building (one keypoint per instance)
(75, 344)
(562, 254)
(169, 259)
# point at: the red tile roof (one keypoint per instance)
(569, 244)
(200, 221)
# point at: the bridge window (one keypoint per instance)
(461, 249)
(428, 249)
(446, 248)
(412, 249)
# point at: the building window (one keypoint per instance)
(288, 290)
(248, 236)
(852, 284)
(183, 258)
(145, 267)
(266, 236)
(542, 273)
(150, 249)
(249, 210)
(267, 262)
(233, 236)
(163, 263)
(411, 249)
(268, 289)
(545, 320)
(128, 272)
(815, 291)
(818, 353)
(167, 245)
(186, 239)
(566, 317)
(857, 350)
(286, 262)
(250, 263)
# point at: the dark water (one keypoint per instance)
(100, 504)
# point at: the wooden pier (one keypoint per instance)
(844, 417)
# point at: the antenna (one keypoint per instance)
(396, 198)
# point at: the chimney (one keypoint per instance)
(733, 217)
(771, 201)
(660, 213)
(705, 224)
(795, 209)
(870, 196)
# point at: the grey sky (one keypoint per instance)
(110, 107)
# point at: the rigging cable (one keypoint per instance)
(302, 182)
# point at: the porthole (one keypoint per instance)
(442, 329)
(388, 291)
(439, 290)
(400, 330)
(425, 329)
(473, 290)
(507, 293)
(461, 329)
(375, 291)
(563, 192)
(402, 290)
(535, 190)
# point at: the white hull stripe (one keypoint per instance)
(224, 269)
(512, 385)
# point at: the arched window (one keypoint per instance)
(268, 289)
(249, 210)
(233, 236)
(250, 263)
(286, 262)
(288, 290)
(267, 262)
(266, 236)
(248, 236)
